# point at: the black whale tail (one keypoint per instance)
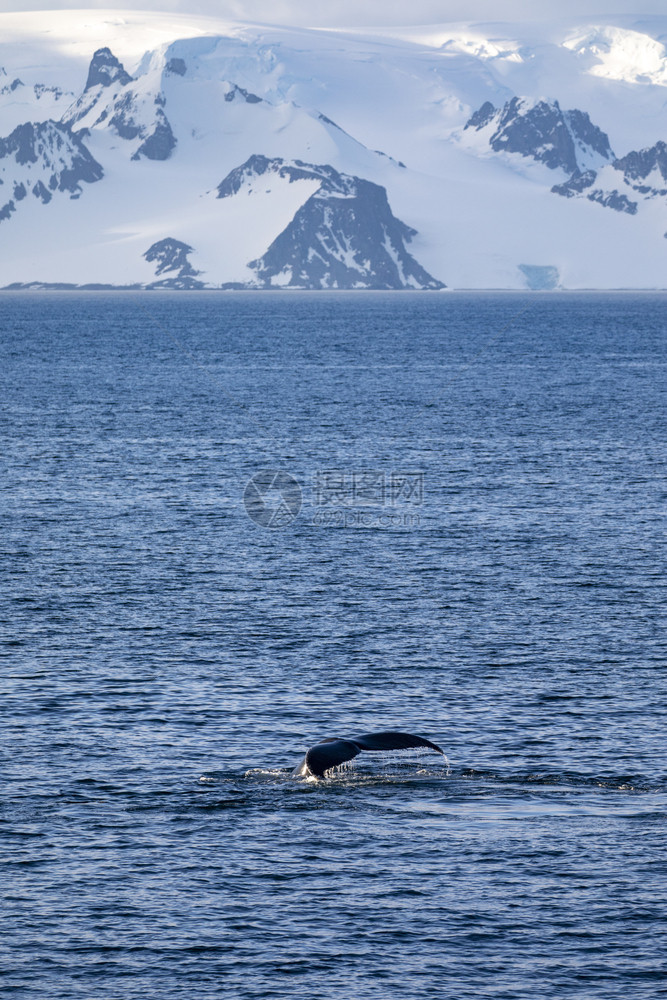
(393, 741)
(332, 752)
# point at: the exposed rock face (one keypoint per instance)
(482, 116)
(122, 118)
(44, 158)
(9, 88)
(613, 199)
(343, 236)
(568, 140)
(40, 90)
(176, 66)
(640, 166)
(575, 184)
(98, 100)
(171, 257)
(158, 144)
(644, 171)
(105, 69)
(578, 183)
(109, 99)
(589, 140)
(257, 166)
(239, 93)
(541, 130)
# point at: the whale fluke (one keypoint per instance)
(332, 752)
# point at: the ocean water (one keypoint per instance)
(234, 524)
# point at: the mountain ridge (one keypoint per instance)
(449, 143)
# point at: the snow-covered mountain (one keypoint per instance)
(166, 151)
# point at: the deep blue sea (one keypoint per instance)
(234, 524)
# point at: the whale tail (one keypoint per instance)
(332, 752)
(393, 741)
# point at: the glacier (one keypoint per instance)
(186, 152)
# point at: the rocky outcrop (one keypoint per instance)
(575, 184)
(9, 88)
(106, 69)
(579, 183)
(643, 171)
(44, 158)
(641, 166)
(239, 93)
(257, 166)
(569, 141)
(613, 199)
(160, 142)
(171, 258)
(176, 66)
(108, 99)
(543, 131)
(343, 236)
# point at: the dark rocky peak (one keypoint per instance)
(482, 116)
(637, 165)
(294, 170)
(170, 255)
(351, 241)
(23, 143)
(543, 131)
(239, 93)
(53, 143)
(586, 134)
(54, 160)
(105, 69)
(255, 166)
(343, 236)
(171, 258)
(579, 186)
(9, 88)
(132, 112)
(130, 118)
